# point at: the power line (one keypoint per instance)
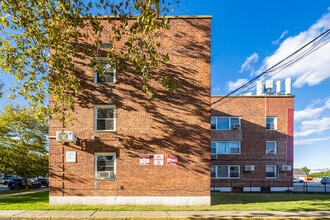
(278, 68)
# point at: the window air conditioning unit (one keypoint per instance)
(106, 174)
(235, 126)
(285, 168)
(270, 152)
(249, 168)
(65, 136)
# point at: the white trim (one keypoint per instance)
(216, 172)
(280, 189)
(216, 117)
(251, 189)
(131, 200)
(274, 170)
(95, 164)
(114, 73)
(95, 117)
(275, 149)
(222, 189)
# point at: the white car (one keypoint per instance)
(295, 180)
(5, 181)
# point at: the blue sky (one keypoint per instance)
(248, 32)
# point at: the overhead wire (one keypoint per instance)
(279, 66)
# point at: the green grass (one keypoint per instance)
(220, 202)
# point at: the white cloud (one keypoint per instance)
(249, 62)
(234, 85)
(313, 68)
(216, 90)
(311, 111)
(309, 141)
(316, 126)
(278, 40)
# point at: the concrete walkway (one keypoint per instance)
(65, 215)
(24, 193)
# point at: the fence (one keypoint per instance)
(312, 187)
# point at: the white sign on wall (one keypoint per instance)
(70, 156)
(144, 159)
(159, 159)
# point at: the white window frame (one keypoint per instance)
(275, 148)
(102, 59)
(216, 123)
(216, 172)
(95, 165)
(275, 170)
(275, 122)
(96, 107)
(229, 144)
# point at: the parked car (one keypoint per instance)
(43, 181)
(5, 181)
(325, 180)
(295, 180)
(20, 184)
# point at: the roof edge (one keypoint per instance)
(255, 96)
(169, 16)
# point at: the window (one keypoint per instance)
(105, 165)
(225, 172)
(270, 172)
(107, 74)
(213, 150)
(271, 123)
(270, 147)
(105, 119)
(222, 147)
(225, 123)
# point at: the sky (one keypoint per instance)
(249, 36)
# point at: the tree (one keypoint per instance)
(39, 41)
(1, 86)
(306, 170)
(22, 143)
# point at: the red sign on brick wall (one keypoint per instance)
(144, 159)
(172, 159)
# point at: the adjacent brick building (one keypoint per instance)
(116, 125)
(252, 143)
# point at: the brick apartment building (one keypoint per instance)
(252, 143)
(134, 150)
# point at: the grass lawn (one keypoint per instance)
(220, 202)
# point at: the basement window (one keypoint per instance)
(105, 118)
(105, 165)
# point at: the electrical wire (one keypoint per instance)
(280, 66)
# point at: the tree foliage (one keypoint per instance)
(320, 174)
(39, 41)
(22, 142)
(306, 170)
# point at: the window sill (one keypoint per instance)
(270, 178)
(101, 131)
(226, 129)
(223, 178)
(271, 129)
(111, 83)
(113, 179)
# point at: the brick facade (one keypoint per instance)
(253, 135)
(171, 123)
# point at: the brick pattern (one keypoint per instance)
(253, 136)
(171, 123)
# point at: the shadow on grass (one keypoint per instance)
(32, 198)
(218, 198)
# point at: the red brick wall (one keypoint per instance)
(171, 123)
(253, 136)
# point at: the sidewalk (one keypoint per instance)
(23, 193)
(65, 215)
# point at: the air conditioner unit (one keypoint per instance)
(235, 126)
(66, 136)
(270, 152)
(249, 168)
(106, 174)
(285, 168)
